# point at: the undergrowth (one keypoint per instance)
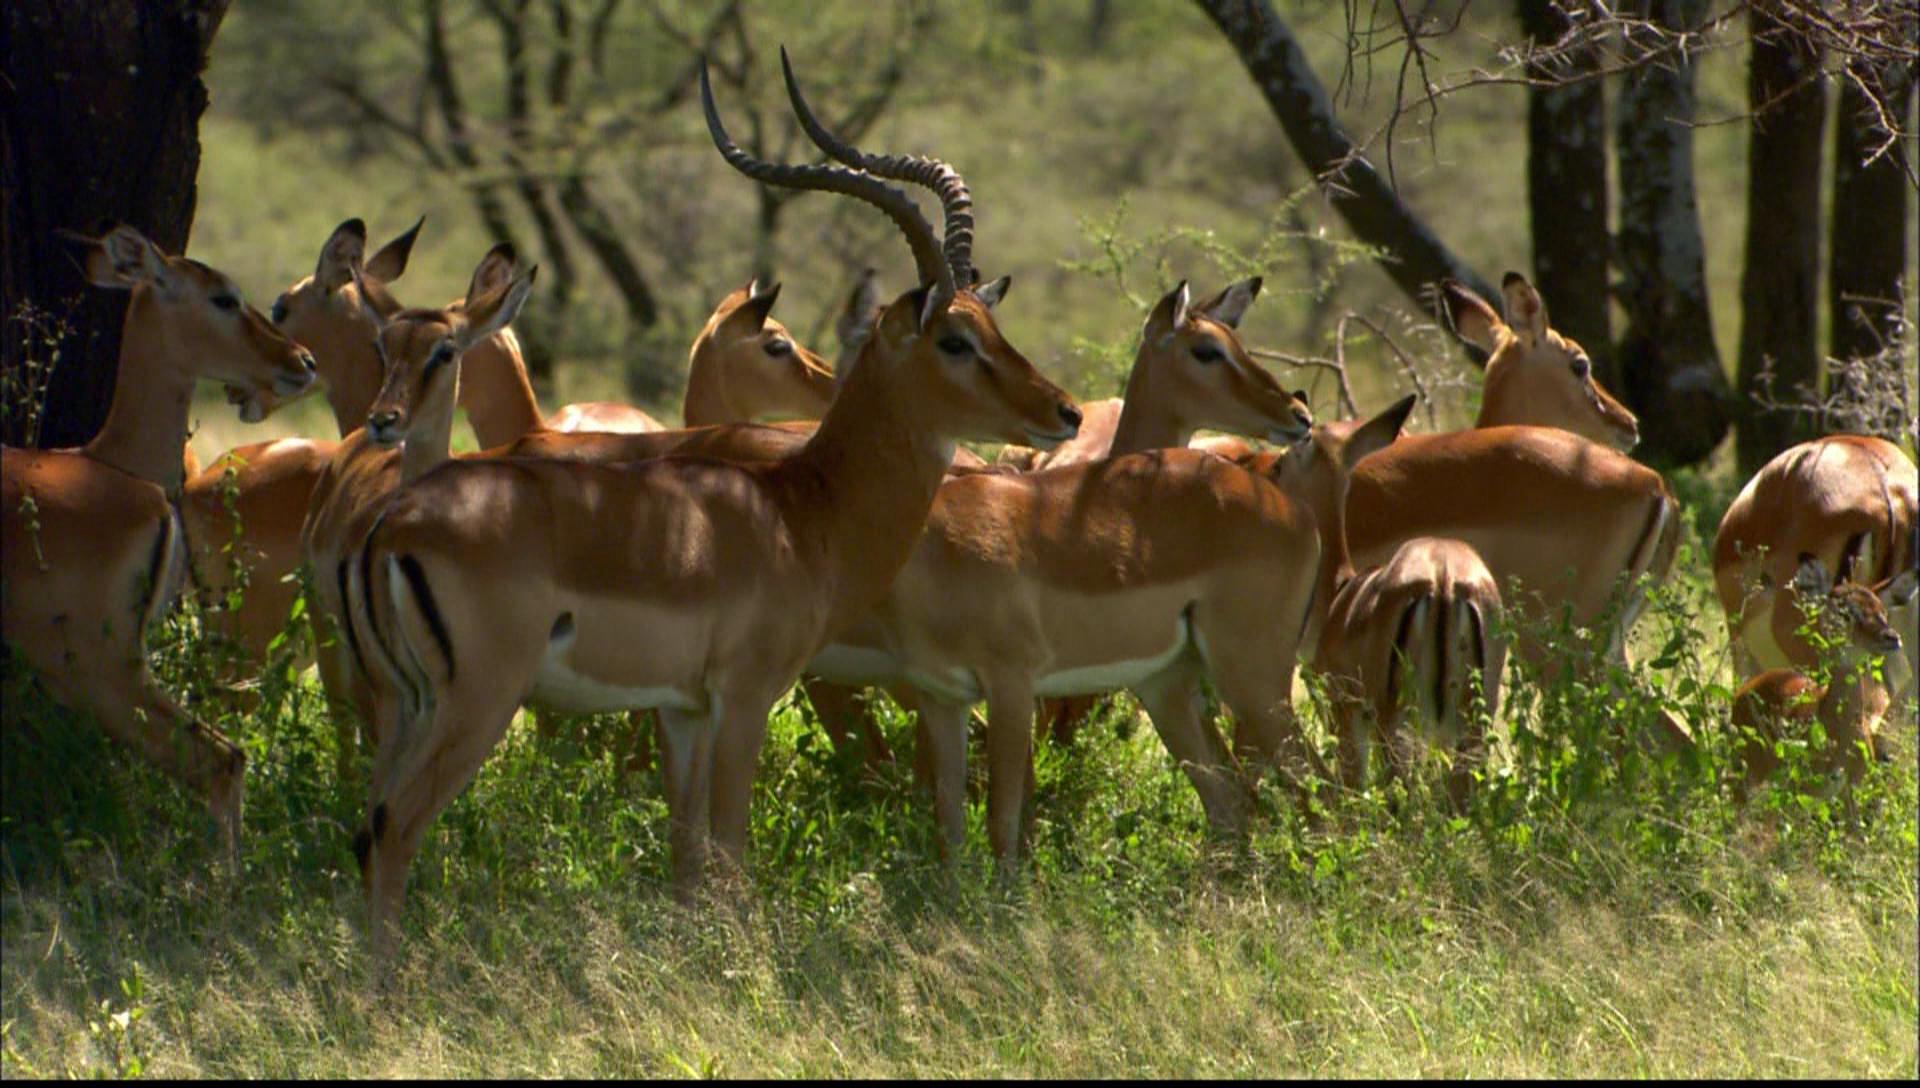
(1599, 907)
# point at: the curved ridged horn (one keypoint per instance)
(896, 203)
(933, 174)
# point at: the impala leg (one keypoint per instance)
(740, 731)
(424, 770)
(131, 707)
(1266, 729)
(686, 763)
(1064, 717)
(1177, 706)
(841, 711)
(943, 750)
(1354, 731)
(346, 695)
(1009, 763)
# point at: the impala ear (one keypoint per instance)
(991, 292)
(494, 271)
(1472, 318)
(855, 322)
(1900, 590)
(1231, 303)
(1812, 579)
(340, 255)
(1379, 432)
(1170, 312)
(361, 294)
(388, 264)
(121, 258)
(925, 307)
(1526, 310)
(496, 309)
(752, 313)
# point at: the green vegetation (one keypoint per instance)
(1597, 911)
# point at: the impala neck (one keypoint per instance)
(1329, 505)
(868, 478)
(1149, 420)
(497, 395)
(706, 402)
(146, 425)
(427, 446)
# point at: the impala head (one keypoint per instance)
(1318, 466)
(325, 310)
(940, 339)
(1852, 617)
(754, 364)
(1191, 357)
(1535, 375)
(197, 323)
(422, 349)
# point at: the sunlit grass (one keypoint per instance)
(1588, 916)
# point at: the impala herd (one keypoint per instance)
(594, 561)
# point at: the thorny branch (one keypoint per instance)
(1857, 39)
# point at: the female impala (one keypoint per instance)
(1848, 500)
(793, 383)
(92, 547)
(243, 514)
(699, 587)
(1401, 647)
(1148, 571)
(1549, 504)
(1190, 373)
(1856, 622)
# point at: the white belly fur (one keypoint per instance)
(1114, 675)
(558, 686)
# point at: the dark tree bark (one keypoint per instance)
(1567, 188)
(1870, 232)
(1780, 286)
(99, 120)
(1374, 212)
(1670, 370)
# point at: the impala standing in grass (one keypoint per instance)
(93, 552)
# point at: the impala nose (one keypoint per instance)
(384, 426)
(1071, 416)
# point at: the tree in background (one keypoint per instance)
(1780, 285)
(1869, 294)
(1670, 369)
(1567, 180)
(537, 107)
(102, 111)
(1363, 197)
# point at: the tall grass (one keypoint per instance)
(1598, 909)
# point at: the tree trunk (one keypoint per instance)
(1870, 231)
(1670, 371)
(99, 121)
(1299, 101)
(1780, 286)
(1567, 189)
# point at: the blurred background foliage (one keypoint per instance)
(1108, 146)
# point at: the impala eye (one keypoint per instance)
(229, 303)
(280, 310)
(1208, 353)
(955, 345)
(779, 347)
(1581, 367)
(441, 356)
